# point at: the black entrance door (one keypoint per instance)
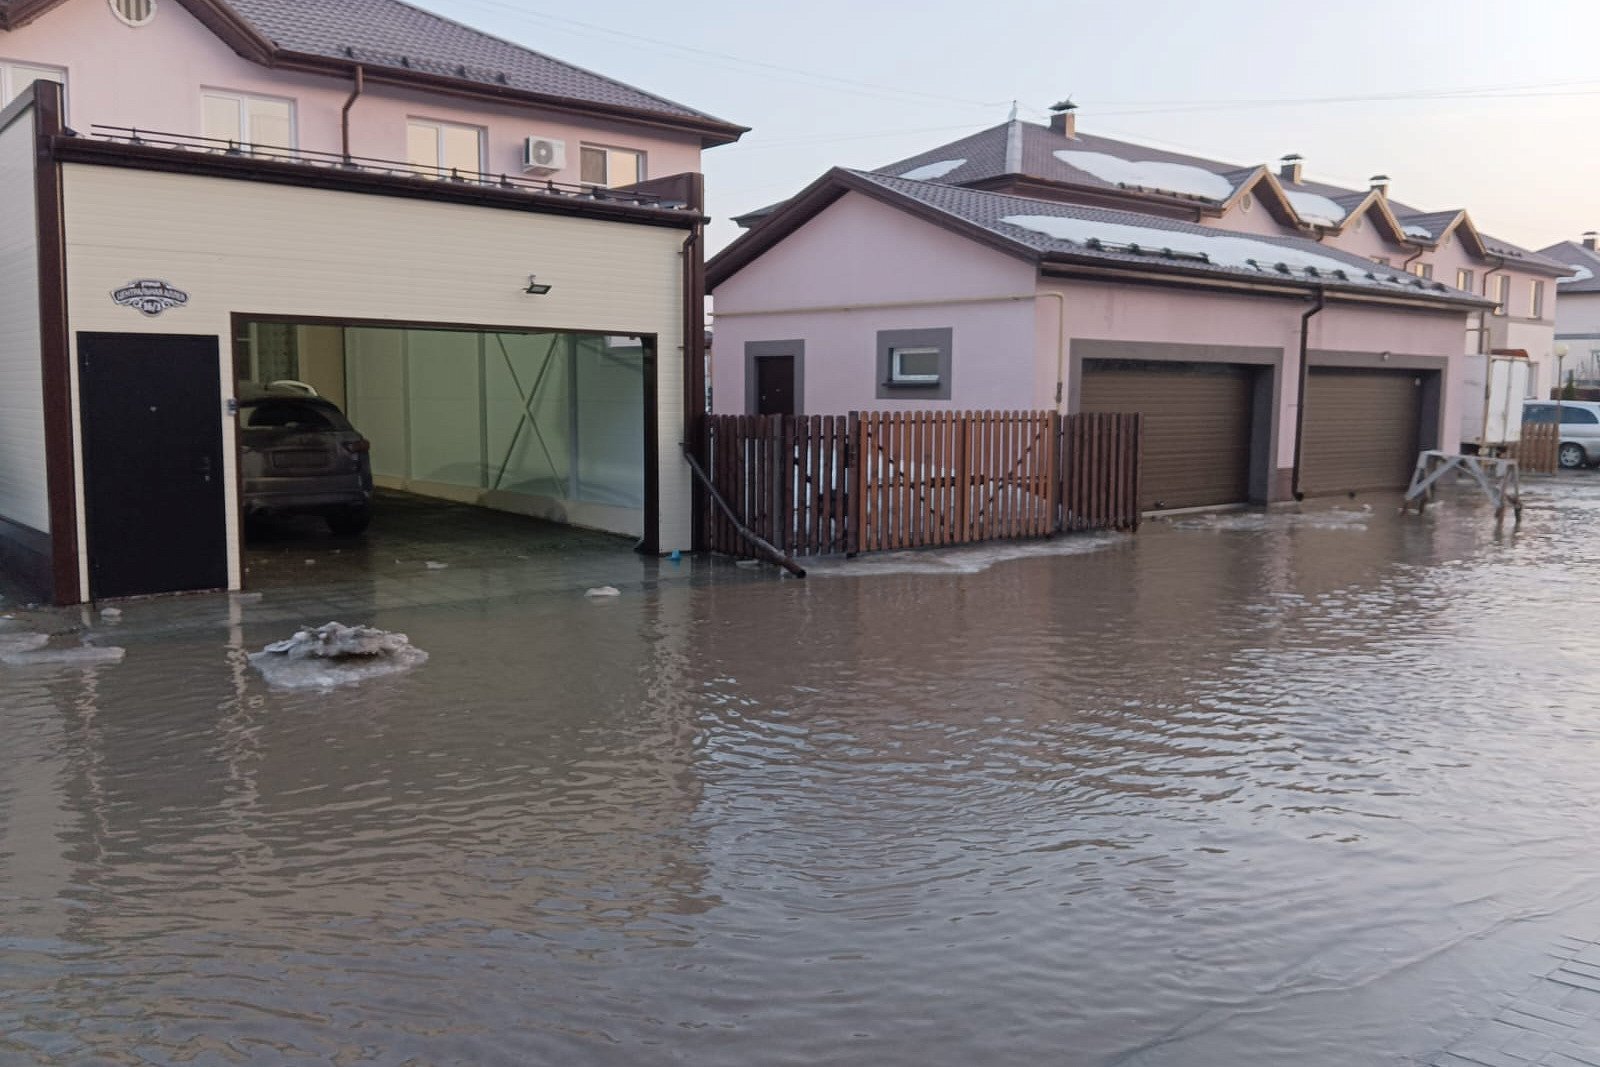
(152, 463)
(775, 385)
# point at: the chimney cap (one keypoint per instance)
(1378, 179)
(1063, 105)
(1292, 157)
(1591, 233)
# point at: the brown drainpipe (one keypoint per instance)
(1300, 407)
(344, 115)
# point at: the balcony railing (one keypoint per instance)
(129, 135)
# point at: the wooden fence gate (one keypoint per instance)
(873, 481)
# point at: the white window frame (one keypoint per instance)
(439, 126)
(239, 100)
(1536, 299)
(899, 376)
(1502, 295)
(9, 90)
(1422, 270)
(1465, 279)
(610, 150)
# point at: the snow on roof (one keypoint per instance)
(1315, 208)
(930, 171)
(1418, 231)
(1583, 274)
(1165, 177)
(1218, 247)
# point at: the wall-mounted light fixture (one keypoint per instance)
(536, 287)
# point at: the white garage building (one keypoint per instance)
(143, 276)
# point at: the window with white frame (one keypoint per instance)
(1536, 300)
(15, 77)
(915, 364)
(445, 148)
(1464, 279)
(1497, 288)
(1421, 270)
(611, 167)
(256, 122)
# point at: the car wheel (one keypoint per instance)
(1571, 457)
(350, 521)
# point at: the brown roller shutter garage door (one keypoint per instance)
(1197, 419)
(1362, 429)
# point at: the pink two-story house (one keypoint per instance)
(1282, 337)
(491, 259)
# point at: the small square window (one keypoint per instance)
(914, 365)
(612, 167)
(1464, 280)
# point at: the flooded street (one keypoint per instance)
(1244, 789)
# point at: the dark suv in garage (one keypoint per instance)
(299, 455)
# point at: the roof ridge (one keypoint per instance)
(475, 31)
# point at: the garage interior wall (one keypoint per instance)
(24, 491)
(547, 424)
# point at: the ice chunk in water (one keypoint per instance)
(603, 591)
(22, 642)
(334, 654)
(74, 656)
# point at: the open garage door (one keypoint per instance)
(1197, 426)
(1362, 429)
(551, 424)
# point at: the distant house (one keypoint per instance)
(489, 257)
(1058, 162)
(1578, 312)
(877, 291)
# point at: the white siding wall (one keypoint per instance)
(24, 496)
(280, 250)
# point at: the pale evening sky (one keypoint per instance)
(1480, 104)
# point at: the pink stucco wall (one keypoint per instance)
(1257, 219)
(151, 77)
(857, 252)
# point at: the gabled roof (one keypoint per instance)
(395, 42)
(1584, 260)
(1086, 162)
(1057, 235)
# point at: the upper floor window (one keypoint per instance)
(239, 118)
(1382, 261)
(1497, 287)
(445, 148)
(612, 167)
(1536, 300)
(1464, 279)
(1421, 270)
(134, 12)
(15, 77)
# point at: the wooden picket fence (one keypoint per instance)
(877, 481)
(1536, 451)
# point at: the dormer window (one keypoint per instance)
(134, 12)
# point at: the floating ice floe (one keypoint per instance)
(601, 591)
(1337, 519)
(33, 650)
(334, 654)
(435, 566)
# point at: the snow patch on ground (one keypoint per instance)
(333, 655)
(930, 171)
(973, 559)
(1315, 209)
(1165, 177)
(1224, 250)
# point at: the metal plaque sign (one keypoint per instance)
(150, 296)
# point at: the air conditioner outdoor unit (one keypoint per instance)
(542, 155)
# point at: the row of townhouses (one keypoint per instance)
(494, 262)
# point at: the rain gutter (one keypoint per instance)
(1300, 398)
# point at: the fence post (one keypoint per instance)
(1052, 474)
(854, 500)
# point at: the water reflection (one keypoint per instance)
(1239, 791)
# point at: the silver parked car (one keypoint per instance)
(299, 456)
(1580, 429)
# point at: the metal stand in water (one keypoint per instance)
(1499, 479)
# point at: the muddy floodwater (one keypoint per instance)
(1285, 788)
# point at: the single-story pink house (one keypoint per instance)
(1267, 366)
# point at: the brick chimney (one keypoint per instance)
(1290, 168)
(1380, 182)
(1064, 118)
(1588, 240)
